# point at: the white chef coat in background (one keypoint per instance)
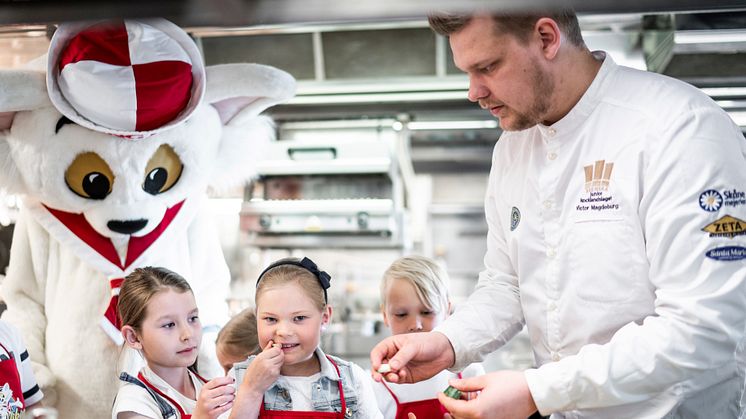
(597, 242)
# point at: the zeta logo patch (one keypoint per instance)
(726, 226)
(515, 218)
(727, 253)
(710, 200)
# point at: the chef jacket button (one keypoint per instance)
(555, 356)
(551, 132)
(551, 306)
(551, 252)
(548, 204)
(551, 155)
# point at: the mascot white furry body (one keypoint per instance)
(69, 244)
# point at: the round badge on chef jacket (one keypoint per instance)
(710, 200)
(131, 78)
(515, 218)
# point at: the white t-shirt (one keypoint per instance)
(423, 390)
(133, 398)
(298, 389)
(11, 339)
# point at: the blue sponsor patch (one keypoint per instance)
(515, 218)
(727, 253)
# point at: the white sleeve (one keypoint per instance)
(210, 283)
(31, 391)
(366, 398)
(689, 343)
(492, 315)
(473, 370)
(133, 398)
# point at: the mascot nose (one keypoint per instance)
(126, 227)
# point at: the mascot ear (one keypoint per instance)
(20, 90)
(240, 92)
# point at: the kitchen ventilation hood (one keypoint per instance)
(705, 49)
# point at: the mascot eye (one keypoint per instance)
(163, 170)
(89, 176)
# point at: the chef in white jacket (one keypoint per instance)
(616, 207)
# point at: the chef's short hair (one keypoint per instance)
(519, 25)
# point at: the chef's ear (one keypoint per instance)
(130, 337)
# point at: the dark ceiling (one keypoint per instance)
(272, 12)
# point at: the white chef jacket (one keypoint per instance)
(607, 238)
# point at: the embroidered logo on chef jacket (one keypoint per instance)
(598, 198)
(710, 200)
(726, 226)
(727, 253)
(515, 218)
(597, 176)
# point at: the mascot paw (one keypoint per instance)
(47, 382)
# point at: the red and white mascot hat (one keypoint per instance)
(130, 78)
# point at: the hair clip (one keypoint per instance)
(324, 278)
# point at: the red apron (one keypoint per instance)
(182, 413)
(9, 374)
(429, 408)
(344, 413)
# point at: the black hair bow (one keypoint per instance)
(324, 278)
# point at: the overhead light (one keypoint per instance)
(377, 98)
(720, 36)
(725, 92)
(436, 125)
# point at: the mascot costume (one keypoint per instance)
(113, 149)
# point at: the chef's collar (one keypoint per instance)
(585, 106)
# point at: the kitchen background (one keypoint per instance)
(380, 154)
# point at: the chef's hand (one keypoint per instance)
(502, 395)
(412, 357)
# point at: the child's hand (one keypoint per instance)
(215, 398)
(264, 369)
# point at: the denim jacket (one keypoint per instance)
(324, 391)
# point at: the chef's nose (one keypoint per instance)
(477, 90)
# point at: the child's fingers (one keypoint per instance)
(218, 382)
(221, 409)
(221, 400)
